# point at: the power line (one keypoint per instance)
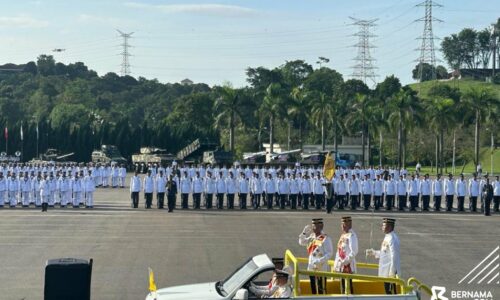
(427, 53)
(364, 68)
(125, 66)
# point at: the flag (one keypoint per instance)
(37, 134)
(152, 284)
(6, 133)
(22, 137)
(329, 167)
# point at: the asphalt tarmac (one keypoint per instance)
(198, 246)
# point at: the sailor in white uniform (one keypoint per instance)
(389, 264)
(347, 249)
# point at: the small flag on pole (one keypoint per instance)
(329, 167)
(152, 284)
(6, 133)
(22, 137)
(37, 134)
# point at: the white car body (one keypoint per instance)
(234, 287)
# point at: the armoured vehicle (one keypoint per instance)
(108, 154)
(217, 157)
(153, 155)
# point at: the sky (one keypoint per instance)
(215, 41)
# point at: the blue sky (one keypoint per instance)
(215, 41)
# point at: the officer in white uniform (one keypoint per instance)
(305, 191)
(425, 191)
(269, 190)
(25, 188)
(461, 191)
(256, 190)
(185, 187)
(354, 191)
(389, 264)
(347, 249)
(496, 194)
(437, 192)
(13, 188)
(135, 189)
(45, 192)
(197, 189)
(413, 191)
(243, 189)
(474, 192)
(148, 189)
(89, 188)
(320, 250)
(390, 192)
(3, 188)
(210, 189)
(231, 187)
(367, 190)
(160, 184)
(221, 190)
(378, 191)
(294, 190)
(76, 185)
(449, 190)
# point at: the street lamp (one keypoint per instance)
(494, 47)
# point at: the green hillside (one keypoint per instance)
(484, 158)
(463, 85)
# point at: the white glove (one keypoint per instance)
(370, 252)
(342, 262)
(307, 230)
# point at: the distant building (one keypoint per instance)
(187, 82)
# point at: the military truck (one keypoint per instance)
(217, 157)
(153, 155)
(108, 154)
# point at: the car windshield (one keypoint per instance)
(233, 282)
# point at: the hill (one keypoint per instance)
(462, 85)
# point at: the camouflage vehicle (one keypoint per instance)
(107, 155)
(152, 155)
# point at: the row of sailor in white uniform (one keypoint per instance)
(62, 190)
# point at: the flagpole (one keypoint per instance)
(37, 138)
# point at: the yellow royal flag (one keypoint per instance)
(329, 167)
(152, 284)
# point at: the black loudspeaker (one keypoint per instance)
(67, 278)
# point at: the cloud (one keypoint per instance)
(85, 18)
(22, 21)
(218, 10)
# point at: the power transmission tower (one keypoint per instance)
(125, 66)
(364, 68)
(427, 54)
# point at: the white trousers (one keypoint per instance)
(114, 181)
(77, 198)
(25, 198)
(38, 198)
(2, 198)
(89, 198)
(13, 198)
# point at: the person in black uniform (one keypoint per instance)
(171, 193)
(487, 194)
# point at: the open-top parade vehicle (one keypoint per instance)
(258, 270)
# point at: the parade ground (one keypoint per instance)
(197, 246)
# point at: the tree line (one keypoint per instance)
(71, 108)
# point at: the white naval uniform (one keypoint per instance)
(320, 251)
(389, 256)
(348, 243)
(3, 188)
(88, 189)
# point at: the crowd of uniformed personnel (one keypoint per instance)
(306, 187)
(56, 184)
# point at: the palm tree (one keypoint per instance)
(440, 115)
(298, 108)
(363, 115)
(322, 113)
(273, 107)
(481, 101)
(227, 107)
(404, 112)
